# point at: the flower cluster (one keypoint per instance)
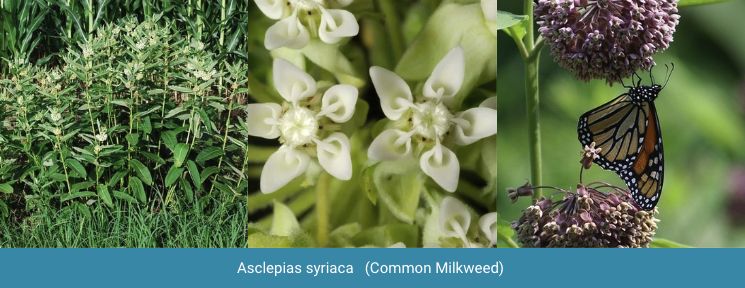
(606, 39)
(299, 20)
(588, 218)
(423, 127)
(307, 125)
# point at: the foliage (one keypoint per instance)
(137, 115)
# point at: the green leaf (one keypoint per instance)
(194, 172)
(181, 89)
(71, 162)
(6, 188)
(142, 172)
(169, 138)
(77, 195)
(399, 185)
(283, 220)
(173, 174)
(188, 192)
(3, 209)
(342, 235)
(209, 153)
(137, 189)
(179, 154)
(132, 138)
(206, 172)
(124, 196)
(261, 240)
(103, 194)
(506, 19)
(699, 2)
(663, 243)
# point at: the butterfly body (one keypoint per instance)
(628, 132)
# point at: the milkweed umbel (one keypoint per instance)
(628, 132)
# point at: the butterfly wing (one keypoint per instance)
(644, 178)
(618, 128)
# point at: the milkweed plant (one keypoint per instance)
(607, 40)
(369, 118)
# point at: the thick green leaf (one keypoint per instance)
(206, 172)
(173, 174)
(77, 195)
(194, 172)
(209, 153)
(124, 196)
(117, 176)
(342, 235)
(137, 189)
(283, 220)
(189, 193)
(179, 154)
(6, 188)
(142, 172)
(103, 194)
(3, 209)
(506, 19)
(399, 185)
(169, 138)
(71, 162)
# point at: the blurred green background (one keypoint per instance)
(702, 116)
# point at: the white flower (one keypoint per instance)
(422, 127)
(56, 116)
(307, 125)
(488, 225)
(299, 20)
(454, 219)
(140, 45)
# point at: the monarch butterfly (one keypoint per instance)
(628, 132)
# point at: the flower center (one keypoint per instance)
(298, 126)
(431, 119)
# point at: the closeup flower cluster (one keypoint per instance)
(307, 125)
(606, 39)
(587, 218)
(300, 20)
(423, 126)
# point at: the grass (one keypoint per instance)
(128, 227)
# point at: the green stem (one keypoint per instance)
(224, 138)
(507, 240)
(393, 25)
(322, 208)
(532, 100)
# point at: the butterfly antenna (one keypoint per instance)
(639, 81)
(620, 79)
(651, 76)
(668, 74)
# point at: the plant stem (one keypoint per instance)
(322, 208)
(532, 101)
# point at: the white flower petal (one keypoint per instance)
(447, 77)
(291, 82)
(441, 165)
(488, 225)
(398, 245)
(338, 103)
(454, 219)
(395, 95)
(274, 9)
(390, 145)
(262, 120)
(288, 32)
(337, 24)
(490, 102)
(474, 124)
(283, 166)
(490, 9)
(333, 155)
(344, 3)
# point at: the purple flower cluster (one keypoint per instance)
(588, 218)
(606, 39)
